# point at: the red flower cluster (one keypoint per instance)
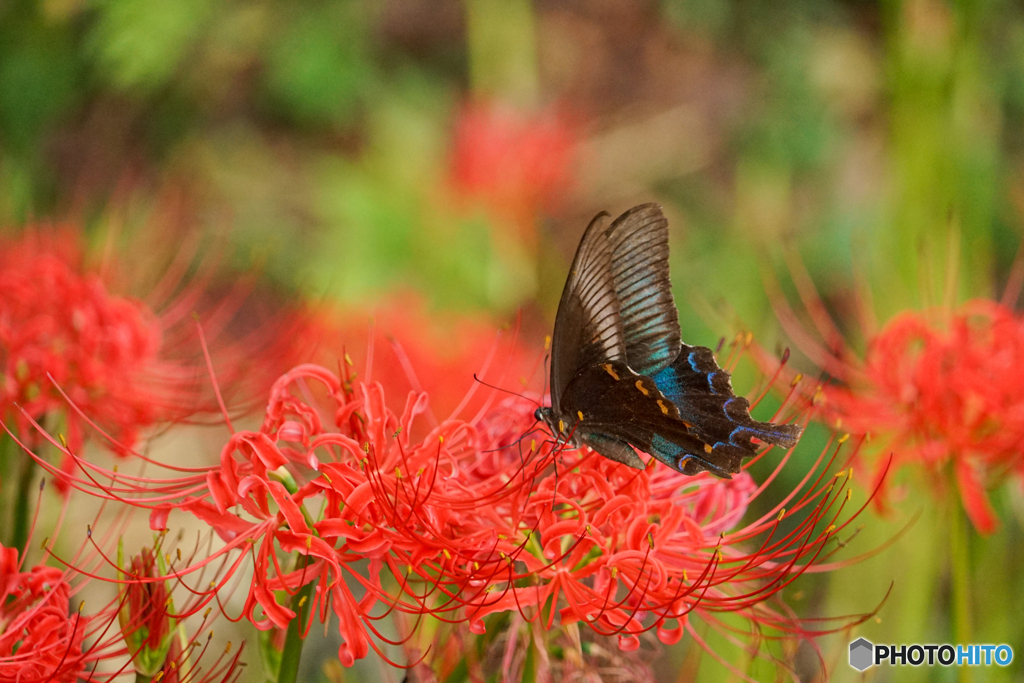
(468, 518)
(515, 163)
(39, 641)
(62, 331)
(944, 392)
(70, 346)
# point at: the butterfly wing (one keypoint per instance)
(617, 408)
(702, 392)
(650, 322)
(588, 328)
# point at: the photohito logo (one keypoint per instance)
(865, 654)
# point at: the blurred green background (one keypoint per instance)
(356, 150)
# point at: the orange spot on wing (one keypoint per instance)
(611, 371)
(640, 386)
(707, 448)
(664, 408)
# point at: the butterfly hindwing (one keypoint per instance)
(702, 391)
(615, 406)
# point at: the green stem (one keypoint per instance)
(21, 513)
(961, 565)
(292, 653)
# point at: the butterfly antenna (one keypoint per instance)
(507, 391)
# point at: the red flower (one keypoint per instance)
(937, 389)
(516, 164)
(945, 394)
(70, 346)
(40, 639)
(471, 519)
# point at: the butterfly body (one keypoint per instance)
(621, 379)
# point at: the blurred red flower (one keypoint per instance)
(944, 391)
(69, 346)
(515, 163)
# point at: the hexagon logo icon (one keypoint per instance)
(861, 654)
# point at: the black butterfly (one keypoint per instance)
(620, 375)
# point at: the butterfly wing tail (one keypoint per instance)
(702, 391)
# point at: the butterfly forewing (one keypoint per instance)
(650, 321)
(588, 327)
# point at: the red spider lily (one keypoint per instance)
(66, 339)
(44, 638)
(938, 389)
(40, 638)
(471, 520)
(514, 163)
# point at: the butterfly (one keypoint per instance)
(621, 378)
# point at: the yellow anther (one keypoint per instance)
(444, 551)
(348, 359)
(561, 426)
(227, 648)
(851, 473)
(640, 385)
(45, 541)
(782, 513)
(796, 380)
(397, 432)
(547, 342)
(533, 445)
(849, 495)
(207, 612)
(158, 677)
(650, 540)
(830, 529)
(167, 558)
(615, 572)
(664, 408)
(839, 424)
(708, 448)
(610, 370)
(398, 473)
(579, 414)
(178, 553)
(476, 566)
(63, 441)
(366, 447)
(749, 338)
(502, 537)
(685, 576)
(213, 584)
(440, 438)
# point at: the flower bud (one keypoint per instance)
(146, 622)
